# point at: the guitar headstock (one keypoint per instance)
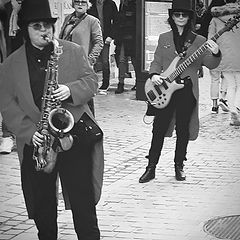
(231, 23)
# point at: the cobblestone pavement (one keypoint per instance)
(162, 209)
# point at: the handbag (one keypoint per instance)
(88, 132)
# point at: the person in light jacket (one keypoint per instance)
(85, 30)
(229, 44)
(181, 113)
(80, 168)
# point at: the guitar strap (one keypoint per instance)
(189, 40)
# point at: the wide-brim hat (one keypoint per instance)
(181, 6)
(35, 10)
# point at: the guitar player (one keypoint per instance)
(181, 112)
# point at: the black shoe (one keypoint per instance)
(134, 88)
(104, 87)
(215, 110)
(148, 175)
(179, 173)
(120, 88)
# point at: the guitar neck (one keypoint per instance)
(182, 67)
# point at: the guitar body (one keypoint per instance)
(160, 95)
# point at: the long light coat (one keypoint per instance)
(229, 41)
(21, 114)
(164, 55)
(88, 34)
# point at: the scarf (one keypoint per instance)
(13, 27)
(227, 9)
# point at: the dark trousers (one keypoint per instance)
(75, 170)
(104, 59)
(182, 103)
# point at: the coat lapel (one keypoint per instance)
(21, 75)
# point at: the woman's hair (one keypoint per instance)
(88, 4)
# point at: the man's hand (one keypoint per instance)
(212, 46)
(156, 79)
(108, 40)
(62, 93)
(37, 139)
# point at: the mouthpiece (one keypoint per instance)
(47, 38)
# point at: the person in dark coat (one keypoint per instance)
(125, 40)
(49, 71)
(181, 113)
(106, 11)
(207, 17)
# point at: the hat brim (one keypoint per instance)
(48, 20)
(25, 22)
(171, 11)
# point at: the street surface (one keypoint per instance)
(162, 209)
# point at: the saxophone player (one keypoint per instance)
(22, 81)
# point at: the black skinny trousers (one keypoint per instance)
(74, 167)
(182, 103)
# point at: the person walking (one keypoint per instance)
(125, 41)
(182, 110)
(49, 71)
(106, 11)
(229, 44)
(218, 91)
(85, 30)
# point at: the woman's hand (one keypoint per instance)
(37, 139)
(212, 46)
(62, 93)
(108, 40)
(156, 79)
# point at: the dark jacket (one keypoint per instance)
(126, 28)
(21, 113)
(110, 14)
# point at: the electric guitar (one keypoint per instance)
(159, 95)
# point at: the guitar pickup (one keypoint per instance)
(165, 85)
(157, 88)
(151, 95)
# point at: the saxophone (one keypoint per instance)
(55, 121)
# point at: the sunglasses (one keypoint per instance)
(179, 14)
(40, 25)
(80, 2)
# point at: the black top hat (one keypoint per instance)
(35, 10)
(181, 6)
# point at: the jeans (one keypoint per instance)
(104, 59)
(182, 103)
(216, 80)
(233, 90)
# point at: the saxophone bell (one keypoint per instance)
(60, 121)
